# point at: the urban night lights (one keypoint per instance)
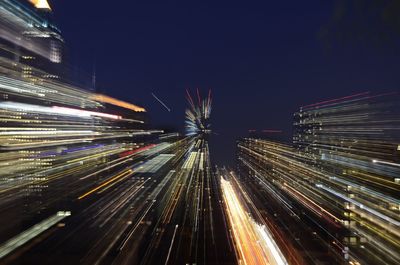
(97, 169)
(339, 178)
(198, 115)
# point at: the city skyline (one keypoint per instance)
(268, 58)
(198, 133)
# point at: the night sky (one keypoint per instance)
(262, 60)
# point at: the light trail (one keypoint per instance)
(31, 233)
(162, 103)
(254, 245)
(123, 174)
(116, 102)
(385, 163)
(172, 243)
(41, 4)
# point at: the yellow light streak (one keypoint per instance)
(105, 183)
(116, 102)
(41, 4)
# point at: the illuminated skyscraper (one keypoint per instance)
(30, 38)
(355, 140)
(339, 181)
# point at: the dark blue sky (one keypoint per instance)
(262, 59)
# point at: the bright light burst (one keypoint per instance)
(197, 120)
